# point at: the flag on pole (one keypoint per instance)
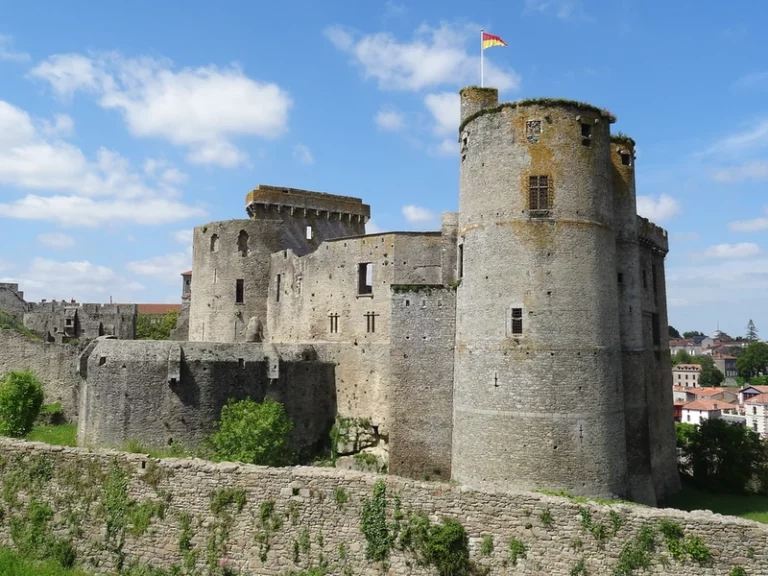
(491, 40)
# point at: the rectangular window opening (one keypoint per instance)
(517, 321)
(626, 158)
(538, 192)
(461, 261)
(277, 291)
(370, 322)
(653, 279)
(586, 131)
(365, 278)
(309, 232)
(645, 280)
(334, 323)
(657, 331)
(621, 278)
(240, 291)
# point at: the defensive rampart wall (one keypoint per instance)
(270, 521)
(54, 364)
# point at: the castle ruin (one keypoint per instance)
(522, 345)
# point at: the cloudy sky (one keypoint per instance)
(123, 125)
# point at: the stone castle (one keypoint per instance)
(523, 345)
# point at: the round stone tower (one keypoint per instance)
(538, 397)
(640, 481)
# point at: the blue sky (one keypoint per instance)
(123, 125)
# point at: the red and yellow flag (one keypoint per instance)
(491, 40)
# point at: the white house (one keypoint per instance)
(686, 375)
(756, 413)
(750, 392)
(699, 410)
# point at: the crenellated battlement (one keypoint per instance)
(265, 200)
(652, 236)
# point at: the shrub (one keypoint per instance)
(444, 546)
(487, 546)
(737, 571)
(254, 433)
(516, 550)
(21, 397)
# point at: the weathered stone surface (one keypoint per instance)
(307, 503)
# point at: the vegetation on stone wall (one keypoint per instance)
(254, 433)
(8, 322)
(21, 397)
(149, 327)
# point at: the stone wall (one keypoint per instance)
(272, 521)
(421, 352)
(54, 364)
(63, 321)
(165, 391)
(12, 300)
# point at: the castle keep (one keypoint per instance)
(523, 345)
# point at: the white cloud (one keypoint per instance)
(563, 9)
(161, 170)
(84, 192)
(446, 111)
(76, 211)
(56, 240)
(202, 109)
(434, 57)
(165, 268)
(740, 250)
(417, 214)
(751, 225)
(62, 126)
(183, 237)
(712, 283)
(657, 209)
(390, 120)
(7, 53)
(448, 147)
(756, 136)
(303, 155)
(372, 228)
(756, 171)
(50, 279)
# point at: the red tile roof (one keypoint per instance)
(158, 309)
(187, 273)
(759, 399)
(713, 391)
(761, 389)
(707, 405)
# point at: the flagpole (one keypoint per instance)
(481, 58)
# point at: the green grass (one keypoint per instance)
(8, 322)
(751, 507)
(61, 435)
(11, 564)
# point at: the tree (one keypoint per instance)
(751, 331)
(721, 456)
(710, 374)
(673, 333)
(681, 357)
(254, 433)
(693, 334)
(148, 327)
(21, 397)
(753, 361)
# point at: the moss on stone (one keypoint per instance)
(621, 138)
(544, 102)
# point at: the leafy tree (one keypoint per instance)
(681, 357)
(753, 361)
(254, 433)
(673, 333)
(751, 331)
(148, 327)
(710, 374)
(693, 333)
(21, 397)
(721, 456)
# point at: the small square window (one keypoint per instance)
(626, 158)
(586, 131)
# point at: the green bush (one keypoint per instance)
(737, 571)
(516, 550)
(21, 397)
(444, 546)
(254, 433)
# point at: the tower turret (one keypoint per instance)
(633, 361)
(538, 399)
